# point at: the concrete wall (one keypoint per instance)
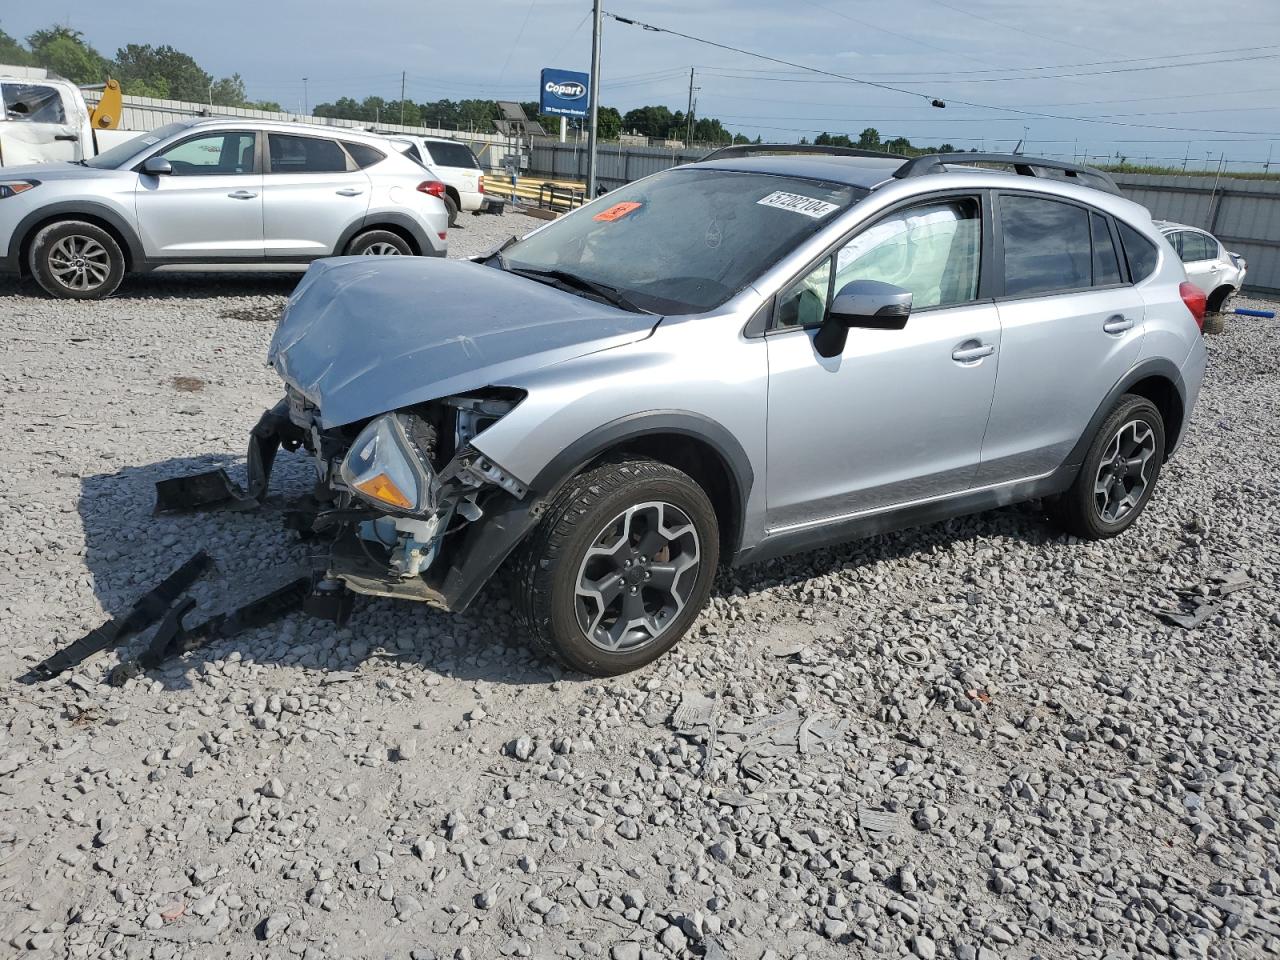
(147, 113)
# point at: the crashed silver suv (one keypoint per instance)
(726, 362)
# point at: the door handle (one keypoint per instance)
(349, 192)
(1117, 324)
(66, 136)
(242, 195)
(971, 351)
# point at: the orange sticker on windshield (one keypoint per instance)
(617, 211)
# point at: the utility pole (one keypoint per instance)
(1266, 167)
(306, 104)
(402, 98)
(593, 109)
(688, 138)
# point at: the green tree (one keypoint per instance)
(228, 92)
(142, 65)
(14, 53)
(869, 139)
(649, 121)
(64, 51)
(608, 123)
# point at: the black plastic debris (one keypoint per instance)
(149, 608)
(211, 490)
(173, 638)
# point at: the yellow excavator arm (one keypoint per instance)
(106, 115)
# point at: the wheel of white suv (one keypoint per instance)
(76, 260)
(378, 243)
(451, 205)
(1119, 473)
(619, 567)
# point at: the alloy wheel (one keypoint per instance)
(1124, 473)
(381, 248)
(80, 263)
(637, 576)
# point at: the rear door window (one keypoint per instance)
(1106, 262)
(290, 154)
(1139, 251)
(1047, 247)
(1195, 247)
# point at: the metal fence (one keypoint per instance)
(1243, 214)
(615, 164)
(147, 113)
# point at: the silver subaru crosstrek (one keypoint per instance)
(231, 192)
(726, 362)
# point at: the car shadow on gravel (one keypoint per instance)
(180, 286)
(129, 549)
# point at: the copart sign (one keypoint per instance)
(563, 93)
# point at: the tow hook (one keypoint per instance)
(329, 599)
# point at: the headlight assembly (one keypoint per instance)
(383, 468)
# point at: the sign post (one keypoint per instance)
(593, 123)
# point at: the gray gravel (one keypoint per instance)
(972, 740)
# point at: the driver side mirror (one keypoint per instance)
(868, 304)
(157, 166)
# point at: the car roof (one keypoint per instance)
(1169, 226)
(872, 172)
(285, 126)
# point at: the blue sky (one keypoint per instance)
(1089, 59)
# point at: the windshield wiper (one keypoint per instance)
(563, 278)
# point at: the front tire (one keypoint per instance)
(619, 567)
(379, 243)
(76, 260)
(451, 205)
(1119, 473)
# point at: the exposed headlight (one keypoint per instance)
(11, 188)
(383, 468)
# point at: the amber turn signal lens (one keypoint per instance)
(381, 488)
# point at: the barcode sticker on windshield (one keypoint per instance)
(798, 203)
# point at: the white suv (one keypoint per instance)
(1210, 266)
(221, 191)
(455, 164)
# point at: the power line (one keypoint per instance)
(911, 93)
(1009, 26)
(760, 56)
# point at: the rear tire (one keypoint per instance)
(619, 567)
(76, 260)
(379, 243)
(1119, 473)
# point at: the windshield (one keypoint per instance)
(685, 241)
(122, 152)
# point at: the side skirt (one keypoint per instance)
(797, 540)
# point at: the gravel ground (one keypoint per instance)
(971, 740)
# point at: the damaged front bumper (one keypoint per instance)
(442, 555)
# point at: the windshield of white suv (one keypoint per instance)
(681, 241)
(112, 159)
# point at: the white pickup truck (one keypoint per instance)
(45, 119)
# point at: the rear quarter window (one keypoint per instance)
(1140, 252)
(363, 154)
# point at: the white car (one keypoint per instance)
(1210, 266)
(454, 163)
(228, 191)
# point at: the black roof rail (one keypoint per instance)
(748, 149)
(1025, 166)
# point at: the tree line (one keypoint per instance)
(142, 69)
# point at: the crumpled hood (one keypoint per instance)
(365, 335)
